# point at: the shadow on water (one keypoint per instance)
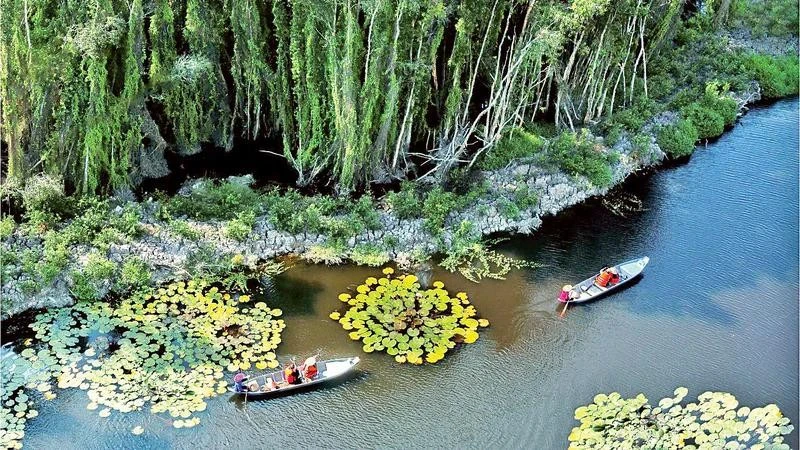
(294, 296)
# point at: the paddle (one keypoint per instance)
(566, 305)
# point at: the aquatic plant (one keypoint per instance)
(166, 347)
(15, 403)
(476, 261)
(395, 315)
(611, 421)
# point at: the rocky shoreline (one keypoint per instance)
(167, 254)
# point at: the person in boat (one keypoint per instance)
(566, 294)
(614, 275)
(603, 278)
(272, 385)
(239, 382)
(310, 369)
(292, 374)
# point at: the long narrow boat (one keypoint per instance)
(628, 271)
(326, 370)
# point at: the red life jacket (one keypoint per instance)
(603, 279)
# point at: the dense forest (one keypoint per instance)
(349, 92)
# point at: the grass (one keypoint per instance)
(515, 144)
(578, 154)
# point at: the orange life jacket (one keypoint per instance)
(603, 279)
(311, 372)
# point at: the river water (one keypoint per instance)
(717, 309)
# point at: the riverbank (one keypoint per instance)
(86, 248)
(174, 248)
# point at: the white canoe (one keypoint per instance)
(326, 370)
(628, 271)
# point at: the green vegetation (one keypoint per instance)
(516, 144)
(678, 140)
(437, 206)
(713, 422)
(214, 201)
(405, 204)
(778, 76)
(241, 226)
(178, 338)
(414, 325)
(765, 17)
(578, 154)
(96, 93)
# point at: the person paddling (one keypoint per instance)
(566, 293)
(238, 382)
(604, 278)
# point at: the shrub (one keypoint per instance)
(98, 267)
(405, 204)
(678, 139)
(330, 253)
(241, 226)
(578, 155)
(284, 210)
(509, 209)
(437, 206)
(340, 229)
(524, 197)
(369, 255)
(54, 258)
(715, 98)
(184, 229)
(7, 226)
(708, 122)
(365, 211)
(660, 86)
(634, 116)
(44, 192)
(135, 274)
(215, 201)
(516, 143)
(777, 76)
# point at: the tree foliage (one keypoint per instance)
(356, 90)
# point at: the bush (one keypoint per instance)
(515, 144)
(135, 274)
(633, 117)
(405, 204)
(241, 226)
(437, 206)
(284, 210)
(44, 192)
(369, 255)
(184, 229)
(365, 211)
(678, 140)
(524, 197)
(578, 155)
(708, 122)
(7, 226)
(777, 75)
(509, 209)
(215, 201)
(716, 98)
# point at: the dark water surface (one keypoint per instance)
(717, 309)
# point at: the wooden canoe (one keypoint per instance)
(628, 271)
(326, 370)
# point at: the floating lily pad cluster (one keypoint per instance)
(165, 347)
(16, 406)
(395, 315)
(715, 421)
